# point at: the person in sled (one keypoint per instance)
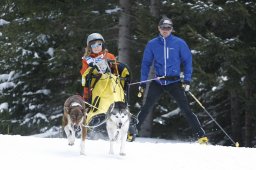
(95, 63)
(95, 48)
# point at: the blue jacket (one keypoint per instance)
(168, 54)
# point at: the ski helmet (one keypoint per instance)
(94, 36)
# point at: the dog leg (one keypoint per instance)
(72, 137)
(66, 129)
(111, 135)
(124, 133)
(111, 147)
(123, 142)
(70, 134)
(83, 137)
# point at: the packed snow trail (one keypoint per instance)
(30, 153)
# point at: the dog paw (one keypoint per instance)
(71, 143)
(111, 152)
(122, 154)
(82, 153)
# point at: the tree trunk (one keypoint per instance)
(248, 127)
(235, 116)
(146, 128)
(124, 32)
(248, 112)
(154, 8)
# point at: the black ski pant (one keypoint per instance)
(178, 93)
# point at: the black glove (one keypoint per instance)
(141, 89)
(186, 86)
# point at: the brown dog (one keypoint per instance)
(74, 118)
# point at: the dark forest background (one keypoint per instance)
(41, 44)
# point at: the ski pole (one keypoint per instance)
(200, 104)
(138, 82)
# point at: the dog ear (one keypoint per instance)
(66, 109)
(85, 110)
(111, 107)
(126, 108)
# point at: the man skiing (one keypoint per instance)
(168, 53)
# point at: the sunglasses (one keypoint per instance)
(95, 45)
(166, 28)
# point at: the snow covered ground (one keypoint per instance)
(36, 153)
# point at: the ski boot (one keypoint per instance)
(203, 140)
(132, 132)
(131, 137)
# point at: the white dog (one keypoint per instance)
(118, 120)
(74, 120)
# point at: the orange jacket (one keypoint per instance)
(85, 64)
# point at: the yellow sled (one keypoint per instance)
(106, 91)
(106, 88)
